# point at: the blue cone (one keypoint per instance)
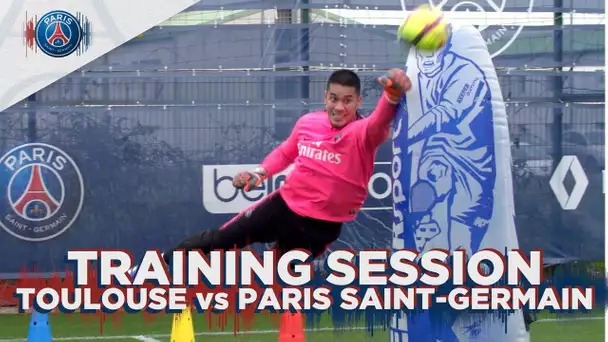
(40, 328)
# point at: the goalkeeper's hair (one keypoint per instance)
(346, 78)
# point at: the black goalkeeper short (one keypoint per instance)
(269, 220)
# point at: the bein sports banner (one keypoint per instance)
(43, 41)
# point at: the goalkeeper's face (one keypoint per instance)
(342, 103)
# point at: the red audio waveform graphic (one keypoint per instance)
(242, 320)
(29, 33)
(86, 33)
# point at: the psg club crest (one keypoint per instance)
(58, 33)
(41, 192)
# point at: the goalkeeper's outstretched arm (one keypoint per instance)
(395, 84)
(276, 161)
(378, 123)
(282, 156)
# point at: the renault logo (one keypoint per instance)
(572, 165)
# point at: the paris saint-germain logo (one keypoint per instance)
(58, 33)
(41, 192)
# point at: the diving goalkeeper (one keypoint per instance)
(333, 151)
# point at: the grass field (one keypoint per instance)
(127, 327)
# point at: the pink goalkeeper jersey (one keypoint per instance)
(332, 166)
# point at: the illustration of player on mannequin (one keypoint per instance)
(452, 195)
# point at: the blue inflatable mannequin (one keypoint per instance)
(452, 182)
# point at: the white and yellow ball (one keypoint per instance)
(425, 28)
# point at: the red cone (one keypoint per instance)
(292, 328)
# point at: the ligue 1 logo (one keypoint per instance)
(41, 192)
(498, 37)
(58, 33)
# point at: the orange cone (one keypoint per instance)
(292, 328)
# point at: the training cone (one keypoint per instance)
(292, 328)
(40, 328)
(183, 328)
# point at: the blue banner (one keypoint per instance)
(150, 178)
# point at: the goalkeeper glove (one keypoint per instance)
(395, 84)
(248, 180)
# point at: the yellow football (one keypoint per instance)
(425, 28)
